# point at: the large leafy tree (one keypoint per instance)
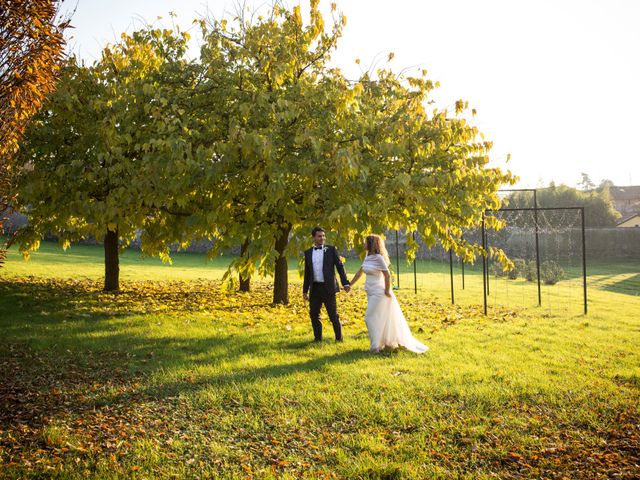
(259, 142)
(31, 51)
(296, 144)
(273, 132)
(103, 157)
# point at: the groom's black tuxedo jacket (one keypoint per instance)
(331, 260)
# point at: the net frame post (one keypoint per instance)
(535, 221)
(453, 301)
(462, 265)
(484, 267)
(397, 261)
(415, 272)
(584, 260)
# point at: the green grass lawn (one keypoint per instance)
(173, 378)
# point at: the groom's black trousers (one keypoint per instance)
(320, 295)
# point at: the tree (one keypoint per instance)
(31, 51)
(605, 183)
(103, 157)
(296, 144)
(267, 107)
(598, 207)
(586, 184)
(255, 145)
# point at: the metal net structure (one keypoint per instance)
(429, 273)
(545, 244)
(547, 248)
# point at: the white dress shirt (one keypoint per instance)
(317, 255)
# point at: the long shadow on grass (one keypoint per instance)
(57, 362)
(628, 286)
(48, 382)
(318, 366)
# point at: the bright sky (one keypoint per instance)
(556, 83)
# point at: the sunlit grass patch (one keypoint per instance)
(179, 378)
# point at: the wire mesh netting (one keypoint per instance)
(544, 244)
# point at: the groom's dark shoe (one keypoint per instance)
(317, 340)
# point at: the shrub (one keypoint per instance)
(518, 269)
(496, 269)
(551, 272)
(530, 271)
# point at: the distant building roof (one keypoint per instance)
(631, 192)
(635, 216)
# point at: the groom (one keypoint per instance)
(320, 284)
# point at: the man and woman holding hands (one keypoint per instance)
(385, 321)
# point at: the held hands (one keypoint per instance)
(387, 292)
(347, 288)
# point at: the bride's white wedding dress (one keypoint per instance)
(384, 318)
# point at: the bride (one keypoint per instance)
(385, 322)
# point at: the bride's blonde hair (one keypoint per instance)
(375, 244)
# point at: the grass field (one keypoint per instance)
(173, 378)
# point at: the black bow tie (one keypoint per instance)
(318, 248)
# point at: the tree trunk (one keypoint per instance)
(111, 262)
(245, 283)
(281, 278)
